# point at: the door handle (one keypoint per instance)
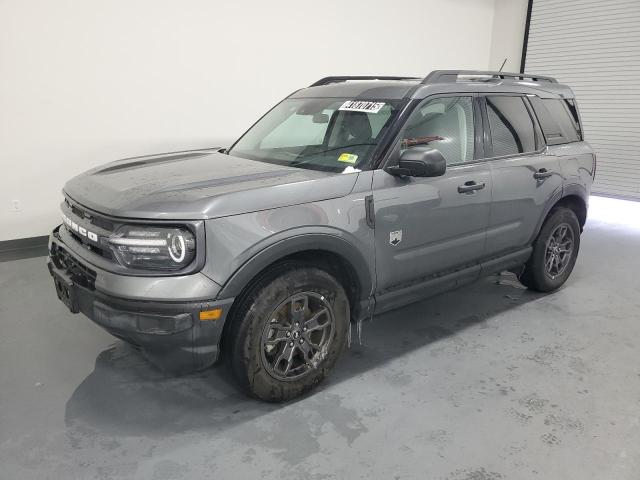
(470, 187)
(542, 173)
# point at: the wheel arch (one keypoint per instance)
(574, 197)
(577, 204)
(334, 253)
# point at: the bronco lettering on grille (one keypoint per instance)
(80, 230)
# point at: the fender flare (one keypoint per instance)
(297, 243)
(577, 190)
(572, 189)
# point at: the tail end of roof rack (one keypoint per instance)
(452, 76)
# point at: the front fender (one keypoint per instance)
(273, 249)
(240, 246)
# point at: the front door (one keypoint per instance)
(429, 226)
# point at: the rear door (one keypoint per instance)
(524, 178)
(427, 226)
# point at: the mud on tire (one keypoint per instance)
(287, 331)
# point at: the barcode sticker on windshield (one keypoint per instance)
(361, 106)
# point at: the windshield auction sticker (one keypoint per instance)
(361, 106)
(348, 158)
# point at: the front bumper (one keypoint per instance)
(168, 331)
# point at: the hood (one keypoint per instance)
(199, 185)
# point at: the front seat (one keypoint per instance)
(357, 128)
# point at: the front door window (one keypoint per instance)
(445, 124)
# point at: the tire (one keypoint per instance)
(272, 358)
(542, 272)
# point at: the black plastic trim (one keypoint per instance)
(451, 76)
(387, 141)
(370, 211)
(419, 289)
(479, 129)
(320, 241)
(505, 261)
(422, 288)
(572, 189)
(192, 345)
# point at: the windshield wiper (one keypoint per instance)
(299, 162)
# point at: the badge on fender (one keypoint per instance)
(395, 237)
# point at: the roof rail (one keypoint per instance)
(328, 80)
(451, 76)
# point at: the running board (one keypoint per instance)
(418, 291)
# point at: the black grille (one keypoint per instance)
(90, 217)
(96, 223)
(79, 274)
(97, 249)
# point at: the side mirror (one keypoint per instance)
(419, 162)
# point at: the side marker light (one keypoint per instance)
(214, 314)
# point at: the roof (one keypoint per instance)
(438, 81)
(371, 89)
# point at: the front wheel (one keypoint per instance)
(288, 331)
(554, 252)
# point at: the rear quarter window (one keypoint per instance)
(558, 119)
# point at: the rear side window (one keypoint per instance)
(511, 126)
(558, 119)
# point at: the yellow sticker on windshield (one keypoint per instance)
(348, 158)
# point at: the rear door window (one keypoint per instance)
(511, 126)
(558, 119)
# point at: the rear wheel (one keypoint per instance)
(288, 331)
(554, 252)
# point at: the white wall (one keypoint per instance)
(508, 33)
(84, 81)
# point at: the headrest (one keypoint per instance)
(358, 125)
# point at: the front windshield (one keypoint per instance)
(331, 134)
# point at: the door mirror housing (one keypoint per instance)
(419, 162)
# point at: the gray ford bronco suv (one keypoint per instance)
(349, 198)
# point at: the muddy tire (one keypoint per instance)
(287, 331)
(555, 251)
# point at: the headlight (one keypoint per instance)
(153, 248)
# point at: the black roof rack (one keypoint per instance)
(451, 76)
(328, 80)
(442, 76)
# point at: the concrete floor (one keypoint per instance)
(488, 382)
